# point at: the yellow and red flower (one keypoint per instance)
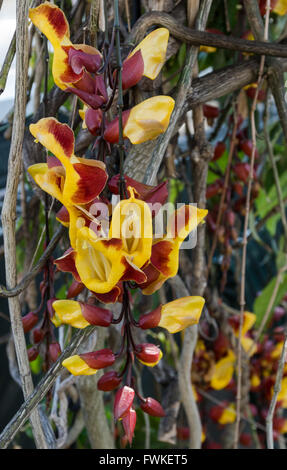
(143, 122)
(165, 252)
(174, 316)
(71, 62)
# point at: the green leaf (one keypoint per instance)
(262, 301)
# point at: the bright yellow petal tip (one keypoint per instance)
(149, 119)
(77, 366)
(181, 313)
(70, 313)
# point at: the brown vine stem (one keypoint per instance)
(198, 12)
(245, 228)
(276, 391)
(9, 211)
(198, 38)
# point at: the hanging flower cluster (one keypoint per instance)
(112, 249)
(214, 370)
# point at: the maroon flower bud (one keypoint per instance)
(245, 439)
(38, 335)
(93, 120)
(96, 315)
(279, 312)
(123, 401)
(218, 151)
(150, 320)
(112, 129)
(183, 433)
(147, 352)
(152, 407)
(214, 188)
(246, 146)
(129, 424)
(32, 353)
(210, 111)
(132, 71)
(29, 321)
(50, 308)
(216, 412)
(99, 359)
(109, 381)
(75, 289)
(54, 351)
(242, 171)
(238, 188)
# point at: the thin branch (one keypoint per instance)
(198, 38)
(276, 391)
(13, 292)
(245, 228)
(182, 91)
(9, 211)
(42, 388)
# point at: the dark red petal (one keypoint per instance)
(132, 70)
(67, 263)
(99, 359)
(96, 315)
(129, 424)
(111, 133)
(152, 407)
(79, 60)
(109, 381)
(123, 401)
(150, 320)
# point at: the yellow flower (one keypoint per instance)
(143, 122)
(181, 313)
(280, 7)
(103, 262)
(228, 415)
(223, 371)
(153, 49)
(77, 366)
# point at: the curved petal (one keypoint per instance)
(148, 119)
(51, 21)
(181, 313)
(56, 137)
(51, 180)
(153, 49)
(77, 366)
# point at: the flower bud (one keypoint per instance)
(75, 289)
(152, 407)
(32, 353)
(148, 354)
(218, 151)
(29, 321)
(129, 423)
(54, 351)
(150, 320)
(123, 401)
(38, 335)
(109, 381)
(99, 359)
